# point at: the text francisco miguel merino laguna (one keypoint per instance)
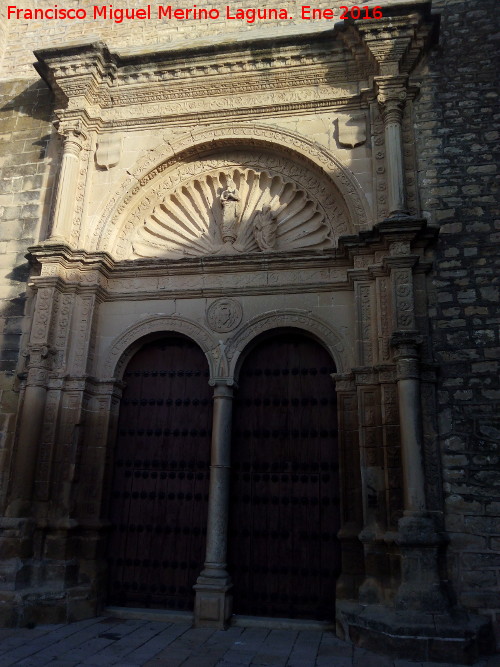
(118, 15)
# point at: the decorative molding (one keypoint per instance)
(233, 210)
(378, 162)
(116, 356)
(339, 183)
(298, 319)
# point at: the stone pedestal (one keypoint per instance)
(421, 588)
(452, 637)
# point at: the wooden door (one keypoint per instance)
(284, 553)
(159, 491)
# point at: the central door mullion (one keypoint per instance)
(213, 604)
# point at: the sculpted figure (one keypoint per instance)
(264, 229)
(229, 200)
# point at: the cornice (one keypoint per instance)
(412, 235)
(134, 118)
(90, 75)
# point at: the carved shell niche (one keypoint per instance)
(190, 220)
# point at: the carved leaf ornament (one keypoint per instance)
(233, 210)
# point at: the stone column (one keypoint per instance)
(30, 426)
(391, 98)
(374, 587)
(419, 542)
(67, 183)
(408, 379)
(213, 603)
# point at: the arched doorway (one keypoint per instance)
(284, 555)
(159, 494)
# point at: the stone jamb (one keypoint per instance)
(351, 500)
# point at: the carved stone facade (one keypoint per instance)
(286, 202)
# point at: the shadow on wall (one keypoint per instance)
(26, 112)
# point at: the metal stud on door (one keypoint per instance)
(158, 505)
(284, 554)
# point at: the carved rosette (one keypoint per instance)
(224, 315)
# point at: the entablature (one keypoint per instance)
(294, 69)
(358, 258)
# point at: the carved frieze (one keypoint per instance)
(365, 323)
(237, 105)
(384, 318)
(404, 302)
(378, 162)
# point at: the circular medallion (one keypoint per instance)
(224, 315)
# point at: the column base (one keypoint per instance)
(213, 603)
(455, 636)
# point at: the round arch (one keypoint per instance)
(204, 141)
(298, 320)
(123, 347)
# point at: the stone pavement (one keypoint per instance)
(134, 643)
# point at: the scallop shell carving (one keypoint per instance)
(268, 213)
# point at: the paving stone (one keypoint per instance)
(157, 644)
(170, 658)
(361, 658)
(142, 643)
(126, 644)
(335, 662)
(238, 656)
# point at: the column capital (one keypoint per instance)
(391, 96)
(344, 382)
(37, 353)
(223, 386)
(67, 126)
(73, 133)
(406, 342)
(407, 357)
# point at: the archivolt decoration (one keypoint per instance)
(114, 220)
(242, 209)
(337, 345)
(114, 359)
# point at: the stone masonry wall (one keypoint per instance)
(456, 139)
(25, 194)
(29, 35)
(458, 148)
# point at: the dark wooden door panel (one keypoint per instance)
(159, 493)
(283, 549)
